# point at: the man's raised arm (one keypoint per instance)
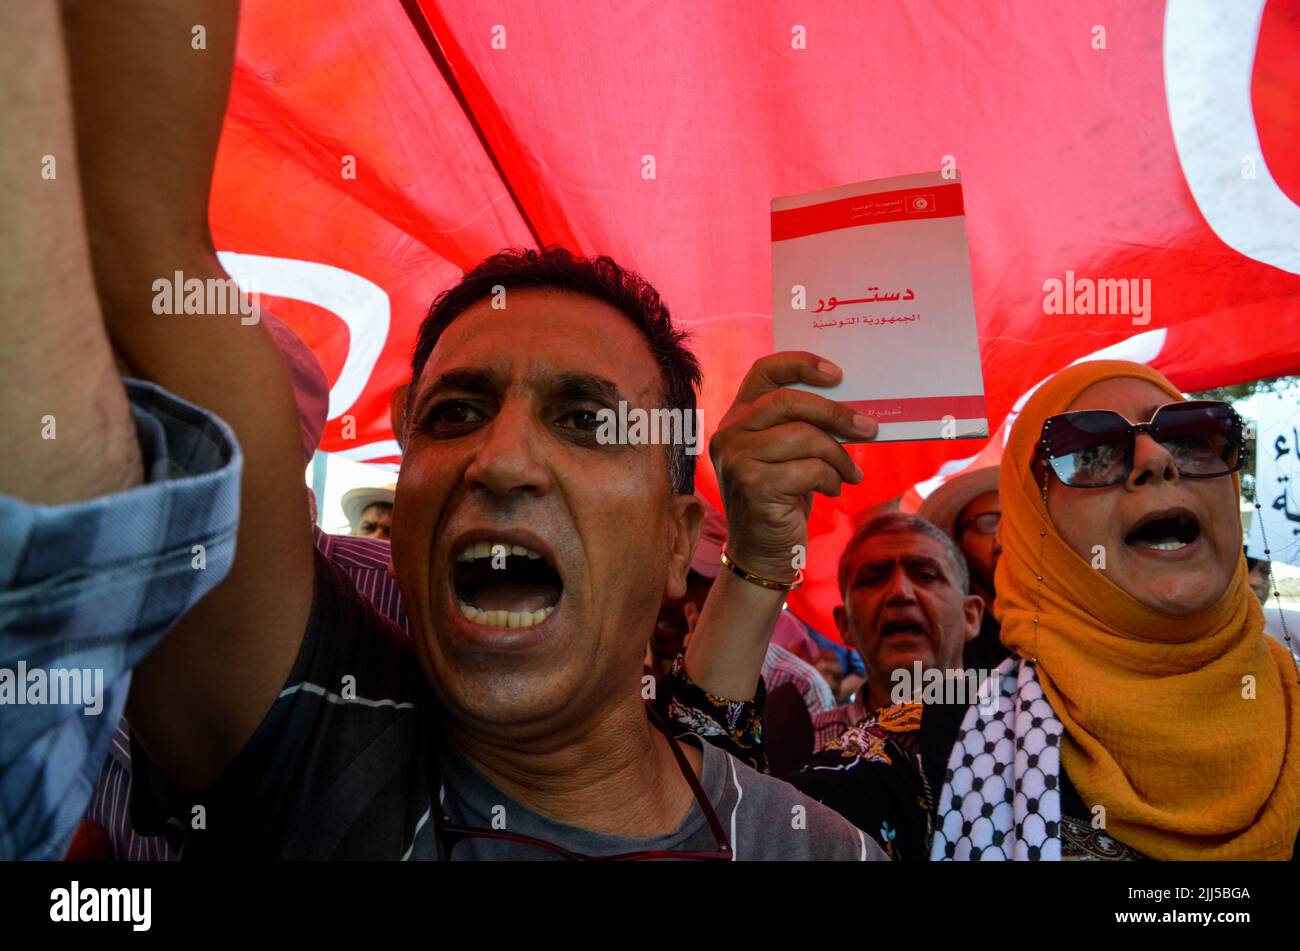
(773, 452)
(94, 568)
(62, 442)
(150, 82)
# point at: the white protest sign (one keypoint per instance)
(1277, 481)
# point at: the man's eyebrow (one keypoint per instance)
(908, 561)
(567, 385)
(468, 380)
(924, 561)
(583, 386)
(876, 565)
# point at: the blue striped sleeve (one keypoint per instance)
(87, 589)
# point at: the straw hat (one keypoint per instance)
(357, 501)
(942, 506)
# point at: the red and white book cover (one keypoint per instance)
(876, 277)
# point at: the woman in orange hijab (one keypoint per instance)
(1145, 712)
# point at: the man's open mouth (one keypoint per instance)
(1168, 530)
(500, 584)
(903, 626)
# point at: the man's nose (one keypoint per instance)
(510, 458)
(900, 590)
(1151, 463)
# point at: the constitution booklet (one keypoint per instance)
(876, 277)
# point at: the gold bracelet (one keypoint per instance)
(760, 581)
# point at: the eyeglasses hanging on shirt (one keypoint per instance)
(450, 834)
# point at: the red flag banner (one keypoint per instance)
(1129, 175)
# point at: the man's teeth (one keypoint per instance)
(494, 549)
(505, 618)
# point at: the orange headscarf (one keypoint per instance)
(1158, 727)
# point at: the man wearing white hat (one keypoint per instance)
(369, 511)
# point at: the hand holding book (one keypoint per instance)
(774, 449)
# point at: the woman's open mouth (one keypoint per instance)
(1168, 530)
(505, 585)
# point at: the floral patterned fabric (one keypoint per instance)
(732, 725)
(872, 774)
(880, 772)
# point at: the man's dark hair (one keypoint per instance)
(601, 278)
(904, 522)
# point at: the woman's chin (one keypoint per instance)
(1183, 599)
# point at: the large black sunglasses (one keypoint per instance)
(1093, 448)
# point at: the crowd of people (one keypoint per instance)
(545, 645)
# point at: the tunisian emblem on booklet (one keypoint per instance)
(876, 277)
